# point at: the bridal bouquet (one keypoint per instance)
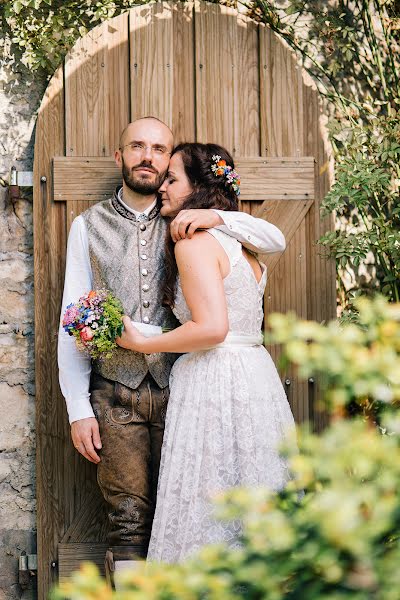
(95, 321)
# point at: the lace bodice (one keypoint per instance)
(244, 295)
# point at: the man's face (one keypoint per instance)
(144, 155)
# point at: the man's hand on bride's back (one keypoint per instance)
(187, 221)
(86, 438)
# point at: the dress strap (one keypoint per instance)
(232, 247)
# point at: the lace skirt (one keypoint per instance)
(227, 416)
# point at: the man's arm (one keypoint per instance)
(255, 234)
(75, 367)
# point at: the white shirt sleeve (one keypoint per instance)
(74, 366)
(255, 234)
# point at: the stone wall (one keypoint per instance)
(20, 95)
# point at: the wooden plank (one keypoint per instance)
(75, 208)
(281, 98)
(97, 109)
(276, 178)
(89, 524)
(322, 272)
(289, 214)
(72, 555)
(151, 47)
(215, 58)
(84, 179)
(286, 291)
(94, 179)
(246, 89)
(96, 90)
(183, 100)
(49, 241)
(117, 79)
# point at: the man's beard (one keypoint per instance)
(139, 185)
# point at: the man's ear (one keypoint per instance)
(118, 158)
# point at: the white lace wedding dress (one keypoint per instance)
(226, 417)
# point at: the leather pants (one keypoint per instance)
(131, 426)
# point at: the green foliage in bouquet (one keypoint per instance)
(340, 539)
(112, 328)
(95, 321)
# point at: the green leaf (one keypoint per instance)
(17, 5)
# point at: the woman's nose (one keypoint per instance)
(163, 186)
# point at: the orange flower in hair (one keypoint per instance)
(220, 168)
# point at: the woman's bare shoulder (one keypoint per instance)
(201, 241)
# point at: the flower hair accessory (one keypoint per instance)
(221, 169)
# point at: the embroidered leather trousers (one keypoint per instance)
(131, 426)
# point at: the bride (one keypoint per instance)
(227, 413)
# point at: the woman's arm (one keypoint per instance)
(202, 264)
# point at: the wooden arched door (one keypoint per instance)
(211, 75)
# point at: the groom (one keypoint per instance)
(117, 407)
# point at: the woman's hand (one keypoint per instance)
(131, 338)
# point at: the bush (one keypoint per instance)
(339, 541)
(352, 50)
(340, 538)
(357, 363)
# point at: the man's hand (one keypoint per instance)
(187, 221)
(86, 438)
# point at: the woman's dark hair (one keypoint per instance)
(209, 191)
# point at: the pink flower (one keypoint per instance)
(86, 334)
(70, 315)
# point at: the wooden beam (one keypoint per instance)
(262, 178)
(71, 556)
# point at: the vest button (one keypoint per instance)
(143, 256)
(145, 272)
(146, 320)
(143, 242)
(146, 304)
(142, 227)
(145, 287)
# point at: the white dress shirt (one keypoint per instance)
(74, 366)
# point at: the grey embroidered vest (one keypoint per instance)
(127, 258)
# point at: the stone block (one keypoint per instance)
(15, 267)
(15, 353)
(16, 306)
(17, 417)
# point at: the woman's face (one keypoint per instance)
(176, 187)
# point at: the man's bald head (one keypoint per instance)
(160, 128)
(143, 155)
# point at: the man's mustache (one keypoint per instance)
(145, 165)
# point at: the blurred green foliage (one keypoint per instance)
(356, 363)
(334, 531)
